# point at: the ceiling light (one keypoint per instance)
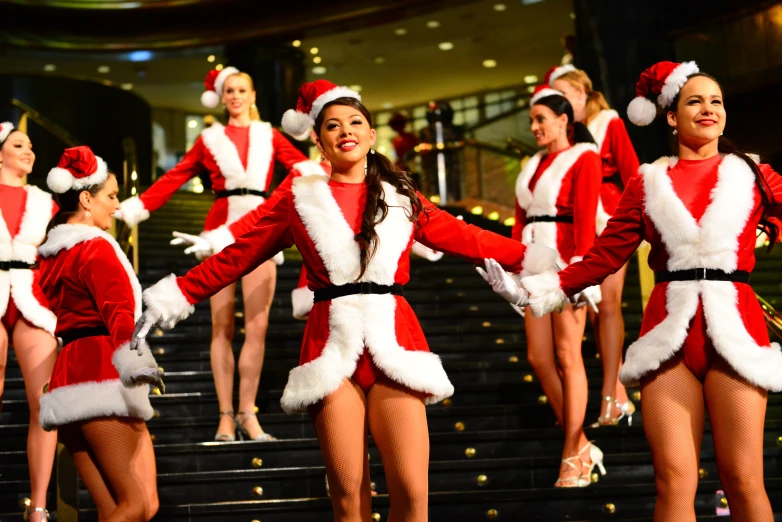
(494, 216)
(489, 63)
(379, 59)
(572, 16)
(319, 70)
(219, 67)
(530, 2)
(192, 124)
(314, 50)
(210, 58)
(445, 46)
(388, 105)
(49, 67)
(432, 24)
(127, 86)
(103, 69)
(400, 31)
(317, 59)
(531, 89)
(530, 78)
(296, 43)
(140, 56)
(500, 7)
(356, 88)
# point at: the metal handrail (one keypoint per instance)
(28, 112)
(773, 318)
(127, 236)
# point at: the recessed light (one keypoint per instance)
(500, 7)
(531, 89)
(296, 43)
(317, 59)
(490, 63)
(445, 46)
(140, 56)
(379, 59)
(388, 105)
(219, 67)
(530, 78)
(401, 31)
(192, 124)
(127, 86)
(572, 16)
(49, 67)
(530, 2)
(211, 58)
(432, 24)
(356, 88)
(319, 70)
(314, 50)
(103, 69)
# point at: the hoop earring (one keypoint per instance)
(371, 151)
(675, 132)
(322, 157)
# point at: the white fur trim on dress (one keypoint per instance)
(166, 301)
(90, 400)
(308, 168)
(219, 238)
(545, 293)
(544, 93)
(328, 97)
(22, 293)
(598, 127)
(675, 81)
(302, 300)
(61, 180)
(133, 211)
(260, 156)
(127, 362)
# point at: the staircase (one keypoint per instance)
(495, 448)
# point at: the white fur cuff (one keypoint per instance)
(303, 299)
(128, 362)
(166, 303)
(219, 238)
(133, 211)
(545, 294)
(538, 259)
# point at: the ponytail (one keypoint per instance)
(595, 101)
(579, 133)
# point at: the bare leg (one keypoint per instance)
(611, 335)
(3, 361)
(673, 423)
(737, 413)
(222, 355)
(258, 292)
(36, 351)
(540, 355)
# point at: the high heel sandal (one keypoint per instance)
(626, 409)
(226, 437)
(241, 431)
(576, 481)
(30, 510)
(596, 458)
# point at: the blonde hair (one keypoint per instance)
(254, 114)
(596, 102)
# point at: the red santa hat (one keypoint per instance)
(313, 97)
(542, 91)
(5, 129)
(664, 80)
(78, 169)
(214, 82)
(555, 72)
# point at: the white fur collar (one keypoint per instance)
(598, 127)
(38, 210)
(66, 236)
(259, 156)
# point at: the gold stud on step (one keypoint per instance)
(702, 474)
(376, 517)
(482, 480)
(595, 478)
(609, 508)
(459, 426)
(637, 396)
(258, 491)
(528, 378)
(160, 351)
(257, 463)
(513, 359)
(500, 341)
(723, 502)
(486, 324)
(492, 514)
(447, 403)
(470, 452)
(542, 399)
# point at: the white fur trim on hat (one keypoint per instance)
(61, 180)
(559, 72)
(297, 124)
(5, 129)
(641, 111)
(675, 81)
(544, 93)
(210, 99)
(330, 96)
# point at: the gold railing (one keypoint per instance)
(30, 113)
(127, 236)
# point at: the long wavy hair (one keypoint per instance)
(596, 102)
(379, 169)
(724, 146)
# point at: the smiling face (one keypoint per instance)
(699, 117)
(575, 94)
(16, 155)
(238, 95)
(103, 204)
(345, 136)
(546, 126)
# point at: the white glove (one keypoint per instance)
(279, 258)
(502, 283)
(518, 309)
(198, 245)
(153, 376)
(588, 296)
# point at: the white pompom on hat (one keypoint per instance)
(78, 169)
(664, 80)
(214, 82)
(313, 96)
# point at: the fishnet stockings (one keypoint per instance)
(397, 419)
(116, 462)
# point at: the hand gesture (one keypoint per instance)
(198, 245)
(502, 283)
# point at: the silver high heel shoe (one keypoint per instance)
(226, 437)
(626, 410)
(30, 510)
(596, 458)
(241, 431)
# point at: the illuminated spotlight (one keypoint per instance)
(401, 31)
(500, 7)
(133, 191)
(509, 222)
(317, 59)
(127, 86)
(355, 87)
(379, 59)
(572, 16)
(103, 69)
(192, 124)
(314, 50)
(530, 2)
(445, 46)
(494, 216)
(489, 64)
(319, 70)
(49, 67)
(211, 58)
(219, 67)
(134, 175)
(140, 56)
(388, 105)
(198, 189)
(531, 89)
(478, 210)
(530, 78)
(435, 199)
(432, 24)
(296, 43)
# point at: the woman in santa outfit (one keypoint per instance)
(703, 339)
(556, 202)
(98, 395)
(620, 163)
(364, 364)
(240, 160)
(27, 321)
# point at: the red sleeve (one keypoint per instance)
(109, 284)
(622, 150)
(617, 243)
(285, 152)
(521, 222)
(246, 223)
(269, 235)
(587, 177)
(161, 191)
(440, 231)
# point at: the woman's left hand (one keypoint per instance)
(502, 283)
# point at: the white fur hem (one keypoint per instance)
(545, 294)
(28, 304)
(127, 362)
(90, 400)
(166, 301)
(219, 238)
(538, 259)
(302, 299)
(133, 211)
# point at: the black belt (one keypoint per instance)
(332, 292)
(550, 219)
(702, 274)
(18, 265)
(240, 192)
(68, 336)
(616, 179)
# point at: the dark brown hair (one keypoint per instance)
(577, 132)
(724, 146)
(68, 203)
(379, 169)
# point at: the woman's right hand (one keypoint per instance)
(197, 244)
(502, 283)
